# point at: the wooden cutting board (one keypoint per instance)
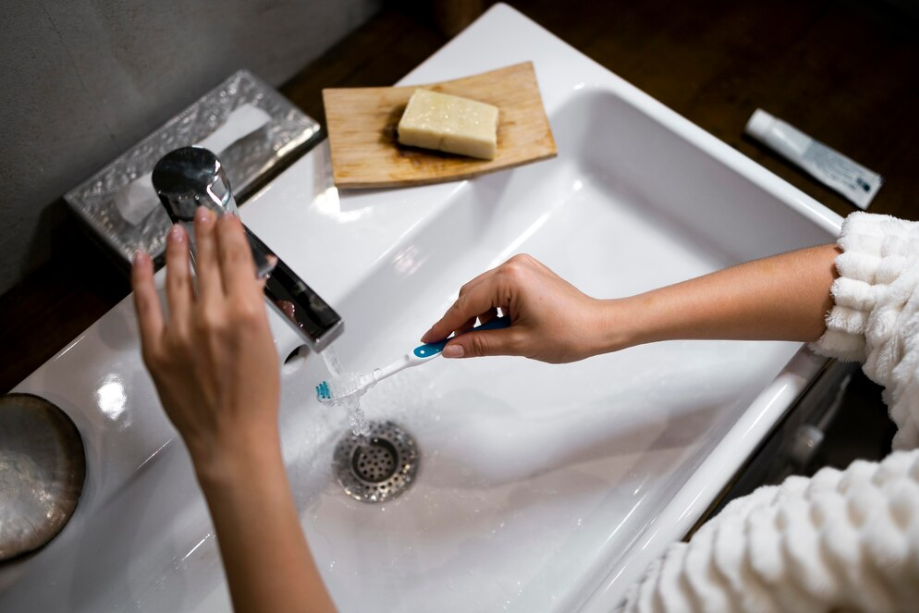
(362, 131)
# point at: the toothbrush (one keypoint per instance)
(333, 392)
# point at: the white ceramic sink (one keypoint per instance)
(541, 488)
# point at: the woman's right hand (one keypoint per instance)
(212, 359)
(551, 320)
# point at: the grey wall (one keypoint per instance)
(83, 80)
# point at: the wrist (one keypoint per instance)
(618, 325)
(237, 458)
(609, 330)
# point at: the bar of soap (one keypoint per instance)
(450, 123)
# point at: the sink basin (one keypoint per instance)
(540, 488)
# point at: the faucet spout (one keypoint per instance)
(190, 177)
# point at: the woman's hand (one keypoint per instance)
(783, 297)
(217, 374)
(551, 320)
(213, 360)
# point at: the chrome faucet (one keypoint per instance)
(190, 177)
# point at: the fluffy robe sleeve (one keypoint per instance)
(841, 540)
(875, 317)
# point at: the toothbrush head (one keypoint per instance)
(323, 391)
(343, 388)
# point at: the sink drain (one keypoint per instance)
(377, 467)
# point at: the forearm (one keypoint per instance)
(783, 297)
(267, 561)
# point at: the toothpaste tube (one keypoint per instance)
(835, 170)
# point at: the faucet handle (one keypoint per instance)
(187, 178)
(190, 177)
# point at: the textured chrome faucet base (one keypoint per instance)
(190, 177)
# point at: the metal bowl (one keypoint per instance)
(42, 469)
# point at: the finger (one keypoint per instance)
(468, 286)
(207, 268)
(434, 333)
(431, 334)
(477, 301)
(466, 326)
(484, 318)
(237, 268)
(146, 302)
(479, 344)
(179, 292)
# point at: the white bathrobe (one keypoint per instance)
(840, 540)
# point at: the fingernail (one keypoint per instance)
(454, 351)
(139, 257)
(202, 215)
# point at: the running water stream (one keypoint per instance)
(356, 417)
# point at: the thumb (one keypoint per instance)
(480, 344)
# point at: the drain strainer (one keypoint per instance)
(377, 467)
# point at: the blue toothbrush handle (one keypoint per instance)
(429, 350)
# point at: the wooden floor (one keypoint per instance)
(845, 72)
